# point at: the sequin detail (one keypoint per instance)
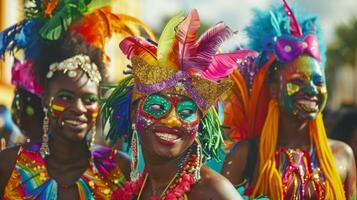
(30, 179)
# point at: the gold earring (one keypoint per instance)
(45, 150)
(92, 140)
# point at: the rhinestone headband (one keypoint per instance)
(70, 66)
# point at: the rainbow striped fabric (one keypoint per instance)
(30, 179)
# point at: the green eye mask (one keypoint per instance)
(187, 110)
(156, 105)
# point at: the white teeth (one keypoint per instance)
(73, 122)
(309, 106)
(167, 136)
(307, 103)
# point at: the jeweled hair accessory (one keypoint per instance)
(285, 33)
(71, 65)
(180, 63)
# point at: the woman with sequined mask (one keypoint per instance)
(174, 85)
(285, 93)
(65, 164)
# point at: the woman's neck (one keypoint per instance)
(293, 132)
(65, 152)
(160, 172)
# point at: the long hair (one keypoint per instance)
(270, 181)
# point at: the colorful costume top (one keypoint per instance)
(30, 179)
(180, 64)
(280, 36)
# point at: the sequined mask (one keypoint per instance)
(157, 107)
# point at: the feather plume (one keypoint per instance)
(137, 46)
(223, 64)
(187, 34)
(295, 28)
(168, 44)
(201, 54)
(107, 23)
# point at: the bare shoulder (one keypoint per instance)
(213, 186)
(344, 158)
(236, 161)
(340, 148)
(8, 159)
(124, 161)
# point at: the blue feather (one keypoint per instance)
(267, 25)
(23, 35)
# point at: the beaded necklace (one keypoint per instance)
(301, 176)
(187, 175)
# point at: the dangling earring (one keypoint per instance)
(45, 150)
(134, 174)
(199, 158)
(94, 132)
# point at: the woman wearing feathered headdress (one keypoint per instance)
(63, 42)
(171, 95)
(280, 94)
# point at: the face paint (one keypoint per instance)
(302, 88)
(158, 108)
(60, 103)
(292, 88)
(65, 99)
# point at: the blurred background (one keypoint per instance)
(338, 20)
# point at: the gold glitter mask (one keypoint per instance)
(151, 79)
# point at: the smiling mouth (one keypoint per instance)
(167, 138)
(309, 106)
(75, 124)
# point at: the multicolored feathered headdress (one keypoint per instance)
(286, 33)
(279, 35)
(179, 64)
(48, 19)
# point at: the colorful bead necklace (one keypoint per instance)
(180, 184)
(300, 172)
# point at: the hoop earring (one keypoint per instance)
(45, 150)
(134, 174)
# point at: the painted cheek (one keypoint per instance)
(142, 122)
(58, 107)
(192, 130)
(93, 111)
(292, 88)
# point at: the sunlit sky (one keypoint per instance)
(237, 13)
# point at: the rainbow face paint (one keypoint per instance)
(303, 88)
(65, 99)
(163, 108)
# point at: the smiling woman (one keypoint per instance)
(288, 155)
(68, 62)
(171, 95)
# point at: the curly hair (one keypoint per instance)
(69, 45)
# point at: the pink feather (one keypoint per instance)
(223, 64)
(187, 34)
(138, 46)
(295, 28)
(201, 54)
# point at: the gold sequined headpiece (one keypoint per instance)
(70, 66)
(179, 64)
